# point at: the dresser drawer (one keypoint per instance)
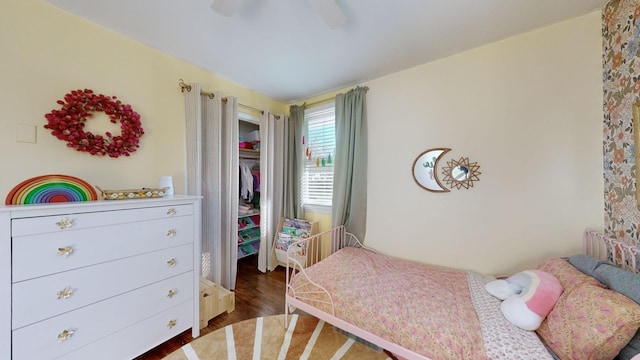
(97, 321)
(84, 220)
(42, 254)
(42, 298)
(136, 339)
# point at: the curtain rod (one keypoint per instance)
(329, 99)
(252, 108)
(312, 104)
(187, 87)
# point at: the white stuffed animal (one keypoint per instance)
(528, 297)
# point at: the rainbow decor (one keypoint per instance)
(51, 189)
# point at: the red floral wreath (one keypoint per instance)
(67, 124)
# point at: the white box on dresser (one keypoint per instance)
(98, 280)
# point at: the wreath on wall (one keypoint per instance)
(67, 124)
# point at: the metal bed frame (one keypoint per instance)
(325, 243)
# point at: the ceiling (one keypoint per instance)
(283, 50)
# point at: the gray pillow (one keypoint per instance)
(628, 284)
(623, 281)
(585, 263)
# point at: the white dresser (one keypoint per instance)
(98, 280)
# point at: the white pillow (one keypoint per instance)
(528, 297)
(538, 294)
(500, 289)
(514, 308)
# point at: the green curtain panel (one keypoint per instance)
(295, 128)
(349, 203)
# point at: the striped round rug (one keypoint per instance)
(266, 338)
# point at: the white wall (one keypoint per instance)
(529, 110)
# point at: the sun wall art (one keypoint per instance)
(457, 174)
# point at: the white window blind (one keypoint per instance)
(320, 144)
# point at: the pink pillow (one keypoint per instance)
(567, 274)
(537, 295)
(590, 323)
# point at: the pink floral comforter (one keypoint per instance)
(425, 308)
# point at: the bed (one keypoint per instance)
(422, 311)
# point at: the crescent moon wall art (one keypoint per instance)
(457, 174)
(51, 189)
(424, 169)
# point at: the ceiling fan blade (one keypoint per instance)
(330, 12)
(224, 7)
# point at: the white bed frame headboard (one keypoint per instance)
(621, 254)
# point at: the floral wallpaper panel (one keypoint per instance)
(621, 78)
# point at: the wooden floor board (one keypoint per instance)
(256, 294)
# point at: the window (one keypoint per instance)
(319, 148)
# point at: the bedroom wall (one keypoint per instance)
(528, 110)
(47, 52)
(621, 35)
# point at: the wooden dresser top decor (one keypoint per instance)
(52, 188)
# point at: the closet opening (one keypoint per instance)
(249, 206)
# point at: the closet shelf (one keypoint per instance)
(249, 154)
(248, 235)
(249, 214)
(245, 250)
(248, 227)
(249, 240)
(249, 191)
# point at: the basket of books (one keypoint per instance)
(292, 231)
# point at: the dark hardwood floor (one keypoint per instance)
(256, 294)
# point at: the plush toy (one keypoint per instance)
(528, 297)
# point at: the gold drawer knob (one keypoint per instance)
(172, 293)
(65, 223)
(65, 293)
(171, 232)
(171, 262)
(172, 323)
(65, 335)
(65, 251)
(171, 211)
